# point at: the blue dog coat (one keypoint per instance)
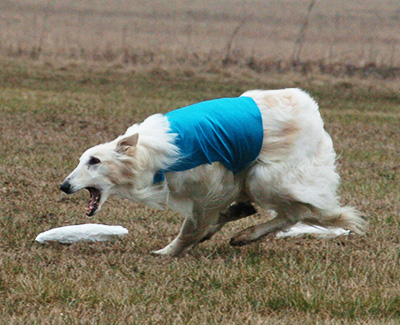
(226, 130)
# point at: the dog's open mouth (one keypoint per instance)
(95, 196)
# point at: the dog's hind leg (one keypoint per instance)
(237, 211)
(287, 216)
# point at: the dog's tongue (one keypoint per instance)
(93, 202)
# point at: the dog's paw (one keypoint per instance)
(240, 239)
(166, 251)
(237, 242)
(160, 252)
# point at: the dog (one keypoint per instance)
(215, 161)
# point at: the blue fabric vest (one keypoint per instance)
(226, 130)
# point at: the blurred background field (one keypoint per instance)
(338, 37)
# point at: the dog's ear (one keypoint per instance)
(125, 145)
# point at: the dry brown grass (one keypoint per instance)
(344, 33)
(49, 116)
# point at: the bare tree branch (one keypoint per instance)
(228, 47)
(298, 46)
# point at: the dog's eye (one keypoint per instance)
(93, 161)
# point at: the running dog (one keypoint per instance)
(215, 160)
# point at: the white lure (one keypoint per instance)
(86, 232)
(301, 229)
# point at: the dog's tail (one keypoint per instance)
(346, 217)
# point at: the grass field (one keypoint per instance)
(50, 116)
(255, 33)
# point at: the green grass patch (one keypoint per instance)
(50, 116)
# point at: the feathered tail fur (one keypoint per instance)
(346, 217)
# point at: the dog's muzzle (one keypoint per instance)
(66, 187)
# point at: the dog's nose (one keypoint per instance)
(65, 187)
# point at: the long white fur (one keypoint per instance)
(296, 168)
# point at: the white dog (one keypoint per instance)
(212, 161)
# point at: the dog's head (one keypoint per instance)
(102, 169)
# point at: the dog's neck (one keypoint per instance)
(155, 148)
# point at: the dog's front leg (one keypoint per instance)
(188, 237)
(193, 230)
